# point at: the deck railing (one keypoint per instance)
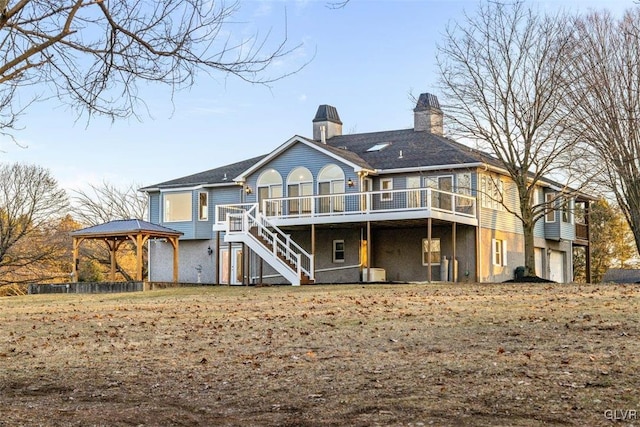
(370, 202)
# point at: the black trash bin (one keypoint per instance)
(519, 273)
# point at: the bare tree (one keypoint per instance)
(605, 103)
(93, 53)
(500, 74)
(31, 206)
(104, 203)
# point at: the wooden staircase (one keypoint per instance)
(304, 278)
(271, 244)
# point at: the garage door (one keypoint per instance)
(556, 266)
(539, 254)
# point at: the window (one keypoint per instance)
(386, 184)
(439, 199)
(379, 147)
(445, 183)
(300, 184)
(177, 207)
(566, 210)
(435, 251)
(270, 187)
(551, 212)
(463, 185)
(491, 192)
(499, 252)
(203, 206)
(331, 181)
(414, 199)
(338, 251)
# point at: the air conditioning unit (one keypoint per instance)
(375, 275)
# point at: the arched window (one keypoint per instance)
(331, 181)
(269, 187)
(300, 184)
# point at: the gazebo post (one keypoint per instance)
(139, 257)
(112, 250)
(174, 243)
(76, 254)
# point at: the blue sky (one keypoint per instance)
(365, 59)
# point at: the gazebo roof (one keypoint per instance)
(114, 233)
(125, 227)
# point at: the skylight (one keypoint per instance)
(379, 147)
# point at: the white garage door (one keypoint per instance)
(556, 266)
(539, 253)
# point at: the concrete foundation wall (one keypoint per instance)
(193, 255)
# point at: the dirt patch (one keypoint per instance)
(517, 355)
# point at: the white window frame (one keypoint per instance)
(567, 211)
(491, 192)
(435, 242)
(463, 189)
(550, 208)
(203, 208)
(336, 251)
(499, 252)
(386, 197)
(167, 205)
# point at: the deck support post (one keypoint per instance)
(217, 261)
(368, 251)
(454, 270)
(429, 250)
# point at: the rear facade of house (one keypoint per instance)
(404, 205)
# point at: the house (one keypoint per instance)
(400, 205)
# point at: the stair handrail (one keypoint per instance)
(280, 241)
(290, 249)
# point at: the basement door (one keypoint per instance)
(556, 266)
(236, 266)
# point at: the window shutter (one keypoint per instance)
(504, 252)
(493, 251)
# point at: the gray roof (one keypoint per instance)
(621, 275)
(419, 149)
(327, 113)
(221, 175)
(125, 226)
(341, 152)
(426, 101)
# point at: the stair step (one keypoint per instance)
(304, 280)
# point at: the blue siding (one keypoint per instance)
(301, 155)
(552, 230)
(538, 228)
(567, 231)
(560, 229)
(224, 196)
(195, 229)
(154, 208)
(203, 229)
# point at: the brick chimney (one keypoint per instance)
(427, 116)
(326, 124)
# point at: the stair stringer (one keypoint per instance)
(266, 254)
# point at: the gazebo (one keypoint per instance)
(114, 233)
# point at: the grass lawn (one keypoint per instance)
(412, 355)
